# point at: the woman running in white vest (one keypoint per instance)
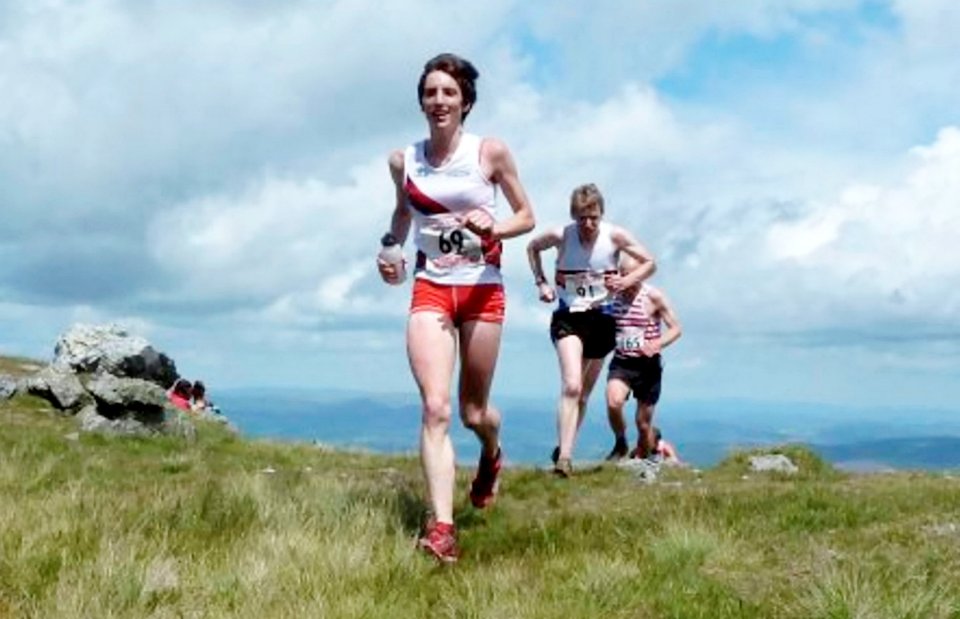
(446, 187)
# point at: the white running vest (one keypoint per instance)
(580, 271)
(448, 253)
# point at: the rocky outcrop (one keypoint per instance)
(777, 463)
(8, 386)
(170, 422)
(59, 386)
(113, 382)
(118, 397)
(110, 349)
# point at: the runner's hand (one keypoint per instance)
(388, 271)
(652, 347)
(547, 293)
(615, 283)
(478, 221)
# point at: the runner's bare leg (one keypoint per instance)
(431, 348)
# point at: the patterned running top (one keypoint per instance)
(635, 324)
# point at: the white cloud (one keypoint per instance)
(930, 25)
(875, 262)
(278, 235)
(226, 163)
(904, 232)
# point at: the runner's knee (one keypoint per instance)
(471, 414)
(572, 389)
(436, 411)
(616, 397)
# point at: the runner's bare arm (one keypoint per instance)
(669, 452)
(551, 238)
(400, 220)
(667, 314)
(498, 164)
(626, 243)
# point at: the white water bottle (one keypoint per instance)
(392, 253)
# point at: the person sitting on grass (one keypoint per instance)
(664, 451)
(200, 402)
(179, 394)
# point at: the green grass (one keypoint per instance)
(126, 527)
(18, 366)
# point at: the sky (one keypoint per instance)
(213, 176)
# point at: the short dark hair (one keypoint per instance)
(199, 389)
(182, 387)
(461, 70)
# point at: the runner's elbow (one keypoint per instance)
(527, 222)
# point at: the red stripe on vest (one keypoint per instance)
(421, 201)
(492, 250)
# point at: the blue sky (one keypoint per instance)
(213, 175)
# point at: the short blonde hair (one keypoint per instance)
(584, 197)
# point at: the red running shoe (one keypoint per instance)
(484, 488)
(440, 540)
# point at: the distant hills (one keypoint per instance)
(930, 452)
(864, 439)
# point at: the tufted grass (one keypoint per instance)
(18, 366)
(226, 527)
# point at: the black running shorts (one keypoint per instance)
(641, 374)
(595, 329)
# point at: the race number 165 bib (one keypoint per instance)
(630, 340)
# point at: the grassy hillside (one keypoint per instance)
(223, 527)
(18, 366)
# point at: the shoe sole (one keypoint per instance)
(564, 473)
(442, 558)
(483, 503)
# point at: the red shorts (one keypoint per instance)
(460, 303)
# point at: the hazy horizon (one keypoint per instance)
(703, 431)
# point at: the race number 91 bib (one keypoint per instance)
(583, 291)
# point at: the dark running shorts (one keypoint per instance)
(641, 374)
(595, 329)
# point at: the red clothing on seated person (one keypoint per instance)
(179, 401)
(179, 394)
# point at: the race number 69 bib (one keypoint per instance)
(439, 242)
(583, 291)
